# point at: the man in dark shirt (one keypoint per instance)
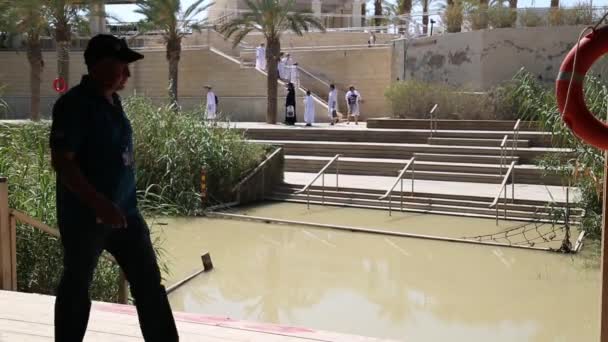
(92, 153)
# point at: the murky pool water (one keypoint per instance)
(401, 288)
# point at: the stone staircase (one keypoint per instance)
(451, 155)
(457, 205)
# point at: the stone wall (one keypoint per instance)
(482, 59)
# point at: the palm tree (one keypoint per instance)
(271, 18)
(554, 4)
(31, 23)
(64, 15)
(378, 12)
(425, 15)
(168, 17)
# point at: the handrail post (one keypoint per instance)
(7, 253)
(323, 188)
(401, 194)
(389, 203)
(308, 198)
(337, 173)
(413, 175)
(123, 288)
(505, 194)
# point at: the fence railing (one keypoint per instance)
(389, 193)
(335, 159)
(8, 251)
(503, 190)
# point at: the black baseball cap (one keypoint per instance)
(108, 46)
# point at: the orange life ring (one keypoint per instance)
(60, 85)
(577, 116)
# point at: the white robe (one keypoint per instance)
(309, 110)
(332, 102)
(211, 106)
(294, 76)
(353, 108)
(281, 68)
(260, 58)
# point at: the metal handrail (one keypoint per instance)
(503, 154)
(503, 188)
(432, 118)
(389, 192)
(257, 169)
(321, 173)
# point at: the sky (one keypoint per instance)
(126, 12)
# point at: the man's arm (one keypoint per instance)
(70, 175)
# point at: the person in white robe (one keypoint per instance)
(294, 76)
(309, 109)
(281, 67)
(353, 101)
(211, 106)
(332, 104)
(260, 57)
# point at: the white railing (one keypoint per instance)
(389, 192)
(503, 190)
(433, 119)
(260, 168)
(321, 174)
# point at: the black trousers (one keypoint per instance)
(132, 249)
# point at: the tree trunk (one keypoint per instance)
(174, 48)
(513, 4)
(378, 12)
(272, 60)
(554, 3)
(34, 56)
(405, 8)
(63, 39)
(425, 16)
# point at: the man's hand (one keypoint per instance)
(110, 214)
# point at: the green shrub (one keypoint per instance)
(453, 17)
(502, 17)
(414, 99)
(476, 14)
(171, 149)
(530, 18)
(585, 170)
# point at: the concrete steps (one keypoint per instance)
(476, 142)
(424, 170)
(456, 158)
(484, 125)
(413, 136)
(420, 202)
(400, 151)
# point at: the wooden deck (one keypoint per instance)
(29, 318)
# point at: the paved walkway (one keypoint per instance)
(29, 318)
(522, 191)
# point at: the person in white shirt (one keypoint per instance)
(353, 101)
(260, 57)
(332, 104)
(211, 106)
(309, 109)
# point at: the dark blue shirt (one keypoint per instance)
(101, 137)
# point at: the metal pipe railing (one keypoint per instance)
(503, 188)
(432, 119)
(321, 174)
(389, 192)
